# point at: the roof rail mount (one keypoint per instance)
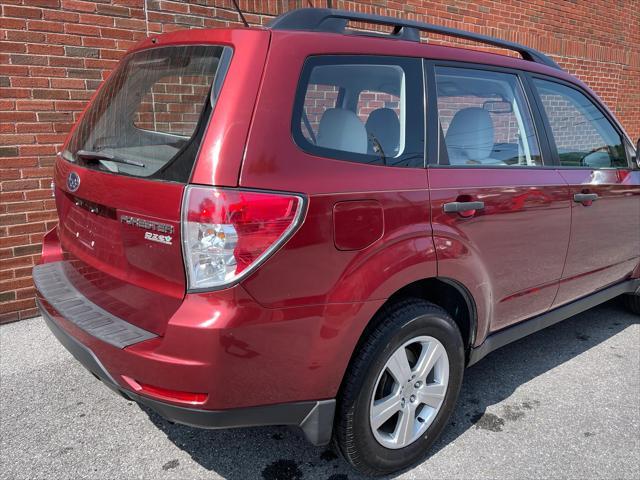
(335, 21)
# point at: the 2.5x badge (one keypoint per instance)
(156, 237)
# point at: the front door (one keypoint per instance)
(501, 218)
(605, 191)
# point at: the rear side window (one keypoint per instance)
(149, 116)
(361, 109)
(582, 134)
(484, 119)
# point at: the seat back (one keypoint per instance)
(384, 125)
(470, 136)
(341, 129)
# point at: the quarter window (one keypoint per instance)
(484, 119)
(361, 109)
(582, 134)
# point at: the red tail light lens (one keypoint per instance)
(228, 232)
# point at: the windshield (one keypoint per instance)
(148, 118)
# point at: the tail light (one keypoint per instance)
(227, 233)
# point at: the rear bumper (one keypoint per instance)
(315, 418)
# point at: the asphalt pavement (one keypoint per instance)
(563, 403)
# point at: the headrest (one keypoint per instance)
(383, 123)
(470, 135)
(341, 129)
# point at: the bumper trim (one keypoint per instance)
(52, 281)
(315, 418)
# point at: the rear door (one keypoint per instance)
(120, 180)
(501, 216)
(604, 189)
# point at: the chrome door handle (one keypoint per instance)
(457, 207)
(585, 197)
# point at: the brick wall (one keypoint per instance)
(55, 53)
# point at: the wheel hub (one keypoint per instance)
(409, 392)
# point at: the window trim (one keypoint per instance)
(415, 141)
(555, 157)
(433, 123)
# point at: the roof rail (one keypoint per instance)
(335, 21)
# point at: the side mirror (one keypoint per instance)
(638, 153)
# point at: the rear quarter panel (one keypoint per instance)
(309, 269)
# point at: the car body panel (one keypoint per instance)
(257, 346)
(605, 235)
(131, 277)
(513, 249)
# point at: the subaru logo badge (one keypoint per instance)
(73, 181)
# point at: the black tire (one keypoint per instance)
(632, 302)
(393, 326)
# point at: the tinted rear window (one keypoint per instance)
(148, 118)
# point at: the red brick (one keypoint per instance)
(19, 161)
(14, 241)
(38, 194)
(22, 12)
(37, 150)
(16, 306)
(16, 139)
(13, 219)
(78, 5)
(29, 82)
(34, 127)
(41, 26)
(71, 83)
(78, 29)
(10, 317)
(47, 72)
(6, 197)
(26, 228)
(21, 36)
(103, 21)
(12, 23)
(13, 47)
(34, 105)
(60, 16)
(41, 216)
(24, 207)
(40, 49)
(17, 116)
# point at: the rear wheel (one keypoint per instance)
(632, 302)
(400, 388)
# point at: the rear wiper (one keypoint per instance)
(99, 156)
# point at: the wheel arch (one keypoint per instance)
(447, 293)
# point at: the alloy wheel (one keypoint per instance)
(409, 392)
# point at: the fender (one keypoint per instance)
(459, 262)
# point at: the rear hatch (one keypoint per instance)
(122, 174)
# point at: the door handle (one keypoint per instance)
(461, 207)
(585, 197)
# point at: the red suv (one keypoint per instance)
(308, 225)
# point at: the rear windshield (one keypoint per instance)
(148, 118)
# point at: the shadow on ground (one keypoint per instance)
(280, 453)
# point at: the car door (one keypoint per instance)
(501, 217)
(605, 191)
